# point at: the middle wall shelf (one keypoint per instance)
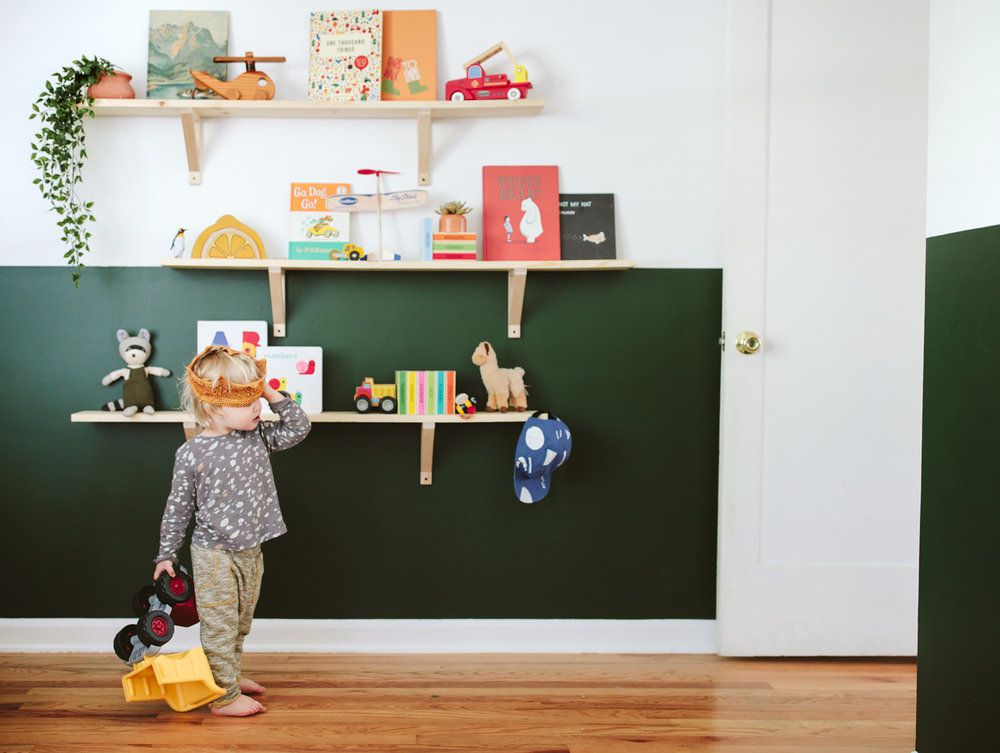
(427, 424)
(517, 273)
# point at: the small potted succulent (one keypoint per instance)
(58, 149)
(453, 217)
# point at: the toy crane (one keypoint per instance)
(477, 85)
(252, 84)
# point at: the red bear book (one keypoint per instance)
(521, 213)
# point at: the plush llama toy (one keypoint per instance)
(137, 391)
(504, 387)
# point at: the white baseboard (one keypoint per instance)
(392, 636)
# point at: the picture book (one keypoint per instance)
(587, 225)
(297, 370)
(247, 336)
(180, 40)
(409, 54)
(520, 213)
(454, 246)
(314, 232)
(345, 55)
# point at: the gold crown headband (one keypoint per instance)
(225, 393)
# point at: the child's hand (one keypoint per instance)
(163, 566)
(271, 394)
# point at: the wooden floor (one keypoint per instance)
(526, 703)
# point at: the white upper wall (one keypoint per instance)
(634, 95)
(963, 179)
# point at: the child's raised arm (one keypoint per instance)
(291, 427)
(180, 506)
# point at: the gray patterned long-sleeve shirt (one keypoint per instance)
(227, 484)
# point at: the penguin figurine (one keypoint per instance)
(177, 245)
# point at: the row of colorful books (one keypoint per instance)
(524, 218)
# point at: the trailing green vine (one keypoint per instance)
(58, 150)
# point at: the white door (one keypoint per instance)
(824, 260)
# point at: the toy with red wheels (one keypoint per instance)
(169, 602)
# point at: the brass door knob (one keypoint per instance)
(748, 343)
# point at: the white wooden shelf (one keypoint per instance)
(517, 274)
(191, 112)
(427, 424)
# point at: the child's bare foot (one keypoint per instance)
(250, 686)
(242, 706)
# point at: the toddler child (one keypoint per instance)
(223, 478)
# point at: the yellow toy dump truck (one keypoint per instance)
(183, 680)
(370, 395)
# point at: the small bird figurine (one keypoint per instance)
(177, 245)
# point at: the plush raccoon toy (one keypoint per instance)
(137, 391)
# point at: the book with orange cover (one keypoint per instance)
(409, 54)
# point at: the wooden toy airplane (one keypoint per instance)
(376, 202)
(249, 85)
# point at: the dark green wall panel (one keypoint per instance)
(628, 359)
(958, 664)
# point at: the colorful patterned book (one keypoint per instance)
(521, 213)
(426, 393)
(409, 54)
(314, 232)
(345, 56)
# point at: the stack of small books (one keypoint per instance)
(453, 246)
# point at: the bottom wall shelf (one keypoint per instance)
(427, 424)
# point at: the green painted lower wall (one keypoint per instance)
(629, 359)
(958, 665)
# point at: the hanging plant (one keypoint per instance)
(58, 150)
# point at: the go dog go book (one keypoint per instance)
(314, 232)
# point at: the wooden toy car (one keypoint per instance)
(478, 85)
(161, 606)
(370, 395)
(350, 252)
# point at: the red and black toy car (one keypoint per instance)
(167, 603)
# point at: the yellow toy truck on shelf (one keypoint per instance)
(183, 680)
(370, 395)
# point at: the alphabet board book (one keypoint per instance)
(297, 370)
(345, 55)
(247, 336)
(425, 393)
(587, 225)
(520, 213)
(409, 54)
(313, 231)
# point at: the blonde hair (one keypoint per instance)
(213, 365)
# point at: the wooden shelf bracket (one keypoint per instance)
(191, 124)
(424, 147)
(276, 281)
(516, 279)
(426, 452)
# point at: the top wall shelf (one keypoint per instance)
(191, 112)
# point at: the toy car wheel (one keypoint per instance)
(354, 255)
(513, 93)
(173, 589)
(363, 404)
(123, 642)
(457, 96)
(140, 602)
(155, 628)
(387, 405)
(328, 234)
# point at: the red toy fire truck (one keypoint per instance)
(477, 85)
